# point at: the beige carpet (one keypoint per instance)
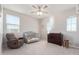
(41, 48)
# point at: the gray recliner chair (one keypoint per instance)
(14, 42)
(30, 37)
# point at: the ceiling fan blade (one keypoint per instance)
(35, 11)
(34, 6)
(44, 6)
(39, 7)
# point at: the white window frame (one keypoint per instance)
(12, 24)
(71, 24)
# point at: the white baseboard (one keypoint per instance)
(74, 46)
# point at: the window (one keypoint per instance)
(12, 23)
(72, 23)
(50, 24)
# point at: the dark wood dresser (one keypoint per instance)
(56, 38)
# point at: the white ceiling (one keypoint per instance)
(27, 8)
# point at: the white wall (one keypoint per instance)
(60, 26)
(1, 28)
(29, 23)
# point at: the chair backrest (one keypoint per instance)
(27, 35)
(30, 35)
(10, 36)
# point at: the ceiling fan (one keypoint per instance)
(39, 9)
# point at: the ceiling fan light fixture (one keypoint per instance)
(40, 9)
(39, 13)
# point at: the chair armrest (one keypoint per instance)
(12, 41)
(20, 38)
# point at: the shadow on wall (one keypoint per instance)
(70, 38)
(4, 40)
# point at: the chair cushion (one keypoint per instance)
(32, 40)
